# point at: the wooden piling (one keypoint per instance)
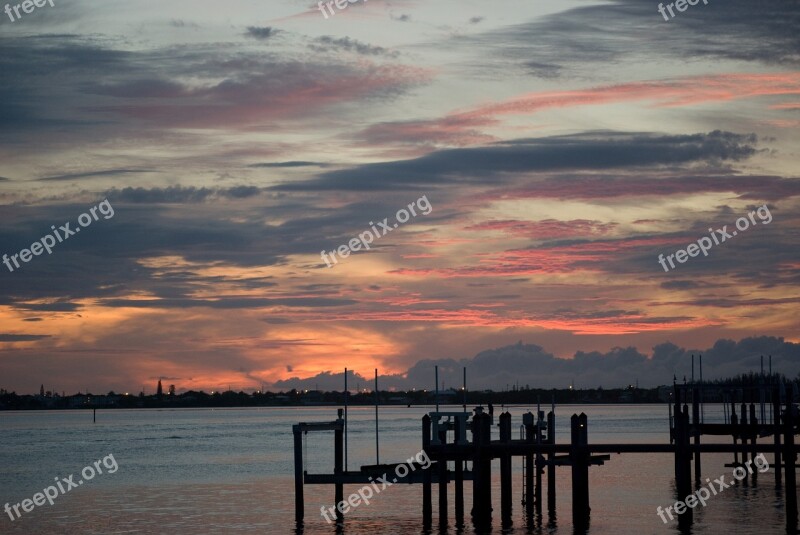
(696, 420)
(529, 438)
(735, 427)
(505, 472)
(683, 464)
(427, 500)
(776, 422)
(580, 471)
(338, 467)
(551, 467)
(299, 504)
(789, 460)
(442, 464)
(753, 437)
(459, 480)
(482, 473)
(537, 488)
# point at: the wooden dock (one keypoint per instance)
(541, 454)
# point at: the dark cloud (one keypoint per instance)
(95, 174)
(22, 337)
(288, 164)
(179, 194)
(327, 43)
(60, 305)
(261, 33)
(573, 41)
(491, 164)
(229, 303)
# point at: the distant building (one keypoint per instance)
(171, 390)
(159, 391)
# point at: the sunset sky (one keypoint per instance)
(562, 145)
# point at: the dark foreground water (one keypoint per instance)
(231, 471)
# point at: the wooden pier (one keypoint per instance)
(540, 453)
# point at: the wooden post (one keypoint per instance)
(299, 504)
(789, 461)
(529, 438)
(537, 489)
(580, 472)
(696, 420)
(776, 428)
(427, 505)
(442, 464)
(94, 416)
(735, 427)
(551, 467)
(338, 466)
(505, 472)
(753, 437)
(683, 480)
(481, 474)
(459, 480)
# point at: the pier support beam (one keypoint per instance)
(683, 464)
(299, 504)
(505, 472)
(551, 467)
(579, 458)
(482, 473)
(442, 464)
(789, 461)
(776, 422)
(338, 467)
(696, 420)
(459, 479)
(427, 505)
(527, 420)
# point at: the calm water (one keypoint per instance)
(231, 471)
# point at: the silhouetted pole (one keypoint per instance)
(537, 489)
(790, 459)
(377, 448)
(505, 472)
(696, 419)
(683, 466)
(776, 426)
(442, 464)
(346, 394)
(94, 416)
(482, 473)
(753, 436)
(529, 438)
(338, 460)
(427, 505)
(459, 479)
(551, 467)
(580, 471)
(299, 508)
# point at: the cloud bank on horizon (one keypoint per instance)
(564, 146)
